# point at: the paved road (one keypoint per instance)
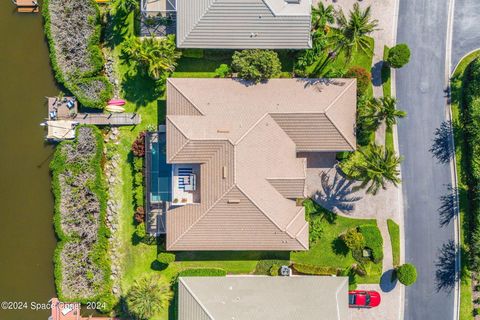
(423, 25)
(466, 29)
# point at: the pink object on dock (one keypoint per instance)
(116, 102)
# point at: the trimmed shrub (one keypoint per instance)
(398, 56)
(140, 231)
(223, 71)
(315, 230)
(364, 78)
(256, 65)
(373, 241)
(353, 239)
(264, 266)
(166, 257)
(138, 146)
(316, 270)
(274, 269)
(139, 215)
(203, 272)
(406, 274)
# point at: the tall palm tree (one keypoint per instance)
(375, 167)
(388, 111)
(369, 113)
(352, 32)
(148, 297)
(321, 16)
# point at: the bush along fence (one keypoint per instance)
(82, 264)
(470, 111)
(72, 28)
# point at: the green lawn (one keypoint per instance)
(329, 250)
(386, 75)
(394, 232)
(466, 304)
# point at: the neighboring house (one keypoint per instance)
(235, 173)
(238, 24)
(263, 298)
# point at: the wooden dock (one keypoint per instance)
(27, 6)
(108, 119)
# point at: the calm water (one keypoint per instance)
(27, 240)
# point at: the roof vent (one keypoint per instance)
(292, 1)
(233, 201)
(223, 131)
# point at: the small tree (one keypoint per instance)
(398, 56)
(353, 239)
(148, 297)
(274, 269)
(256, 65)
(363, 78)
(223, 71)
(138, 146)
(406, 274)
(139, 215)
(166, 258)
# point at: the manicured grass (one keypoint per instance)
(386, 75)
(329, 250)
(389, 139)
(466, 303)
(394, 232)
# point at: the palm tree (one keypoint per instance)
(388, 111)
(375, 167)
(147, 297)
(155, 56)
(352, 32)
(369, 114)
(321, 16)
(126, 6)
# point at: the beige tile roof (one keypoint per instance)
(263, 298)
(246, 139)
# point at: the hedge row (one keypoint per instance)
(72, 28)
(263, 266)
(470, 113)
(203, 272)
(316, 270)
(373, 241)
(81, 259)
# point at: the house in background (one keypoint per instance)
(232, 164)
(263, 298)
(236, 24)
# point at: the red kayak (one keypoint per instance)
(116, 102)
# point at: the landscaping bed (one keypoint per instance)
(82, 266)
(72, 28)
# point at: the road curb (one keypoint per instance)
(453, 162)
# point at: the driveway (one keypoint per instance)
(466, 29)
(420, 91)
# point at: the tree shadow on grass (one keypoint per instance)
(336, 194)
(449, 206)
(339, 247)
(140, 88)
(388, 281)
(446, 275)
(442, 148)
(117, 29)
(158, 266)
(377, 78)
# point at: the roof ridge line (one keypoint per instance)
(338, 96)
(200, 18)
(290, 223)
(201, 216)
(183, 146)
(196, 298)
(181, 93)
(268, 217)
(341, 133)
(251, 128)
(304, 226)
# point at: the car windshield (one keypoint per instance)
(351, 298)
(367, 299)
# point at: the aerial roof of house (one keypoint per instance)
(242, 24)
(246, 138)
(262, 297)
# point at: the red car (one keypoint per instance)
(363, 299)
